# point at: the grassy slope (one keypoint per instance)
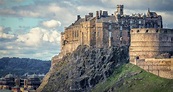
(141, 82)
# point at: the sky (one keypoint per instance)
(32, 28)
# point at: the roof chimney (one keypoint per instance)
(100, 13)
(78, 17)
(97, 14)
(91, 14)
(105, 13)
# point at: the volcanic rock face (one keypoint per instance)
(81, 70)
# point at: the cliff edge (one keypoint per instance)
(83, 69)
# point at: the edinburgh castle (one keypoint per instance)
(142, 33)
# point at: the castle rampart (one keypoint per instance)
(150, 42)
(159, 67)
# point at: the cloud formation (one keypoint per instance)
(51, 23)
(36, 36)
(5, 35)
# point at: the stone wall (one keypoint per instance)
(150, 42)
(159, 67)
(107, 33)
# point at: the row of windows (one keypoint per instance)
(166, 39)
(157, 31)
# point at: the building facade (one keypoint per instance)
(104, 30)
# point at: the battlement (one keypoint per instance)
(151, 30)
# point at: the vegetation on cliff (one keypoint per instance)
(131, 78)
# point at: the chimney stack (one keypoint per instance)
(100, 13)
(78, 17)
(91, 14)
(97, 14)
(105, 13)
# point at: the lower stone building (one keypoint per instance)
(151, 49)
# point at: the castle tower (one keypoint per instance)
(120, 9)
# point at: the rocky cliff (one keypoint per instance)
(81, 70)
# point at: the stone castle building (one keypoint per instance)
(104, 30)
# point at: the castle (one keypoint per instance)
(142, 33)
(105, 30)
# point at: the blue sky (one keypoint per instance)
(31, 28)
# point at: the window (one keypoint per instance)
(146, 31)
(122, 22)
(137, 31)
(157, 31)
(121, 28)
(110, 27)
(171, 39)
(165, 31)
(110, 34)
(98, 33)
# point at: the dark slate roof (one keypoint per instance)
(152, 14)
(77, 22)
(107, 19)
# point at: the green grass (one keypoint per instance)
(141, 82)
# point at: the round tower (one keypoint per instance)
(150, 42)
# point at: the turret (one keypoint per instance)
(120, 9)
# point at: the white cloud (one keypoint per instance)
(5, 35)
(51, 23)
(37, 36)
(9, 47)
(28, 13)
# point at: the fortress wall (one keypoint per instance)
(92, 36)
(99, 34)
(116, 37)
(159, 67)
(125, 37)
(150, 42)
(105, 37)
(70, 47)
